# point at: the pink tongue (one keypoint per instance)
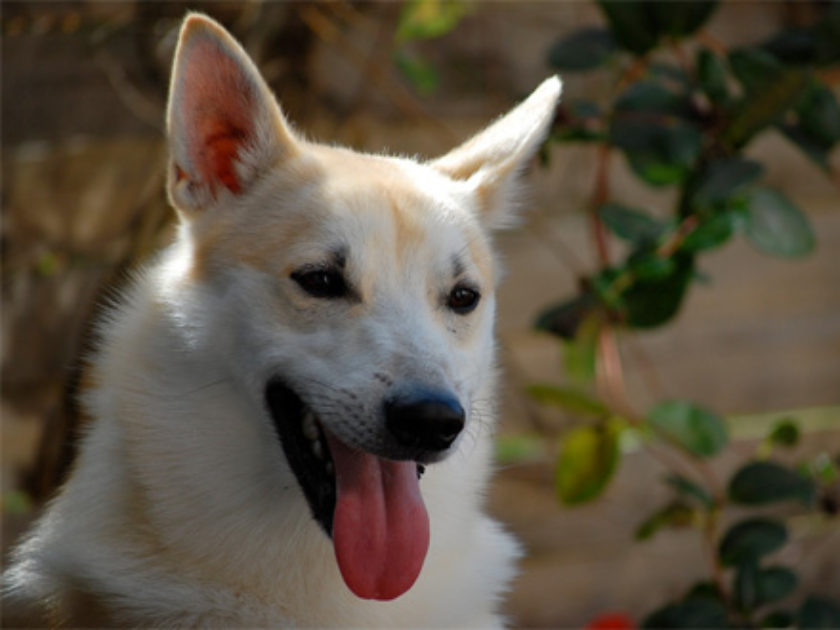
(380, 526)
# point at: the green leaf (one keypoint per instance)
(673, 75)
(777, 619)
(631, 24)
(818, 612)
(711, 74)
(815, 129)
(607, 285)
(578, 133)
(580, 353)
(784, 433)
(690, 613)
(422, 75)
(695, 428)
(776, 226)
(651, 266)
(650, 97)
(754, 68)
(759, 483)
(704, 590)
(630, 224)
(746, 585)
(824, 469)
(819, 115)
(579, 121)
(674, 514)
(711, 233)
(652, 301)
(582, 108)
(584, 49)
(812, 148)
(792, 45)
(17, 502)
(518, 448)
(567, 398)
(660, 150)
(565, 318)
(588, 459)
(49, 264)
(723, 178)
(748, 540)
(428, 19)
(756, 587)
(679, 19)
(775, 583)
(814, 45)
(688, 488)
(771, 90)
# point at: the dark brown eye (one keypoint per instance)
(321, 283)
(463, 300)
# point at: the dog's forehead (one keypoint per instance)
(419, 192)
(412, 206)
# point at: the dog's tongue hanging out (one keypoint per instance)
(380, 527)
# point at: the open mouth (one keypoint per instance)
(370, 506)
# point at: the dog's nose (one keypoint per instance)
(424, 420)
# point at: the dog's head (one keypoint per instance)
(352, 294)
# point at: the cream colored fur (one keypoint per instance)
(181, 509)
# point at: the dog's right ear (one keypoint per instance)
(223, 123)
(491, 160)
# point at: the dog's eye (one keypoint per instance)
(463, 300)
(321, 283)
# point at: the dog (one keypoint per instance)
(293, 404)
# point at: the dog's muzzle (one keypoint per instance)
(369, 501)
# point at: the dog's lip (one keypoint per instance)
(306, 449)
(303, 437)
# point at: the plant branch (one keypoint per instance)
(600, 194)
(324, 27)
(682, 57)
(610, 375)
(712, 43)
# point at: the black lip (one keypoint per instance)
(315, 475)
(287, 411)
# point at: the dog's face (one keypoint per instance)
(353, 295)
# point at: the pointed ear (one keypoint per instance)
(492, 159)
(223, 124)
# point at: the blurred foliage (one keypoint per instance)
(683, 111)
(423, 20)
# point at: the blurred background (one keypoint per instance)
(755, 341)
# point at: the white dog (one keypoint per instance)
(293, 406)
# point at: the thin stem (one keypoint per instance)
(610, 375)
(681, 56)
(612, 387)
(686, 227)
(600, 194)
(712, 43)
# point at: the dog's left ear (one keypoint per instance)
(224, 125)
(492, 159)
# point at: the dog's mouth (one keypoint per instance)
(370, 506)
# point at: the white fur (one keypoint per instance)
(181, 509)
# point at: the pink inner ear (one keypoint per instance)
(217, 109)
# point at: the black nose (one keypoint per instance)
(424, 420)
